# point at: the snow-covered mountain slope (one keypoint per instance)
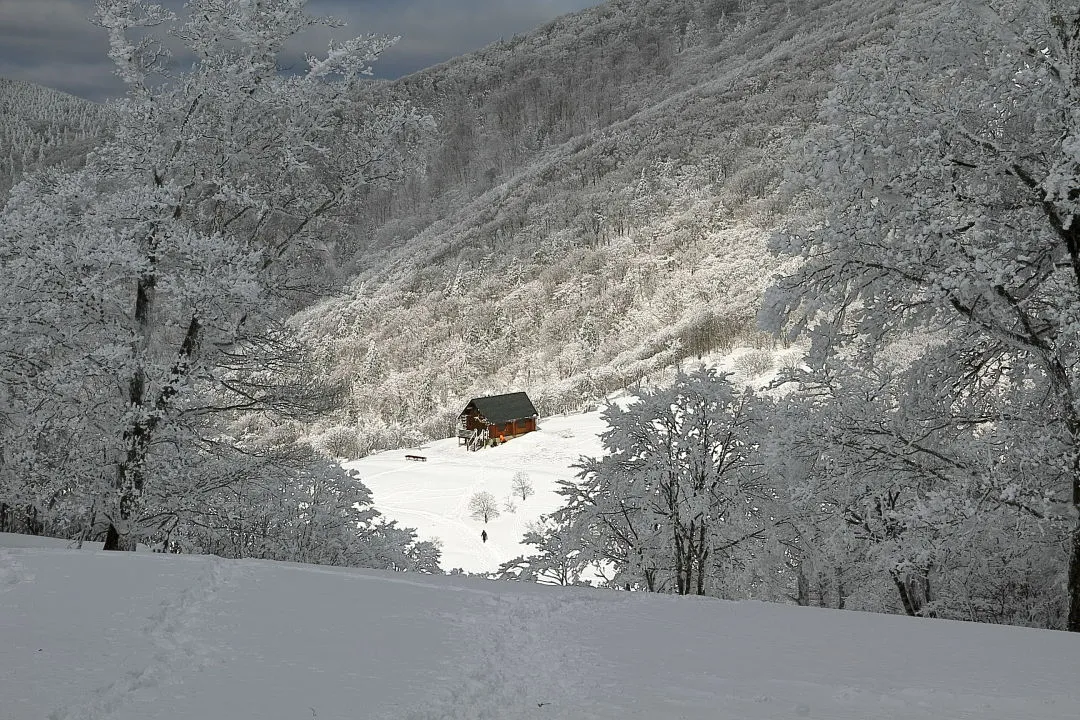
(41, 127)
(93, 636)
(595, 204)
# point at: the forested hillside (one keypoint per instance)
(594, 206)
(40, 127)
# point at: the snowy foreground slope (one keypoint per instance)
(90, 635)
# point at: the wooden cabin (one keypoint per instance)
(498, 418)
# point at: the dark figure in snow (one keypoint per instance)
(483, 535)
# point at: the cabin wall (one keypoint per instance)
(512, 429)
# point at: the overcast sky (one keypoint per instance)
(51, 42)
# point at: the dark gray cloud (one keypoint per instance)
(53, 43)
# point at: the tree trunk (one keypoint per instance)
(112, 538)
(1072, 624)
(682, 579)
(33, 525)
(802, 587)
(129, 486)
(702, 558)
(841, 598)
(905, 597)
(1073, 587)
(129, 471)
(927, 598)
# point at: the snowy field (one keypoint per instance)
(433, 496)
(90, 635)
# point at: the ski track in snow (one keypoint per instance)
(519, 658)
(520, 662)
(173, 628)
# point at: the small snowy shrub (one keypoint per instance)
(754, 363)
(790, 360)
(340, 441)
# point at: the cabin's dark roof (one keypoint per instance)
(504, 408)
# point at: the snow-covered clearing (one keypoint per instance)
(90, 635)
(433, 496)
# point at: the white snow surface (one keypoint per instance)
(433, 495)
(90, 635)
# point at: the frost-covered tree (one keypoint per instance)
(147, 288)
(483, 506)
(558, 560)
(305, 510)
(949, 165)
(902, 497)
(522, 485)
(678, 496)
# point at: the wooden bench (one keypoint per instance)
(419, 458)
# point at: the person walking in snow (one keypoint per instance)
(483, 535)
